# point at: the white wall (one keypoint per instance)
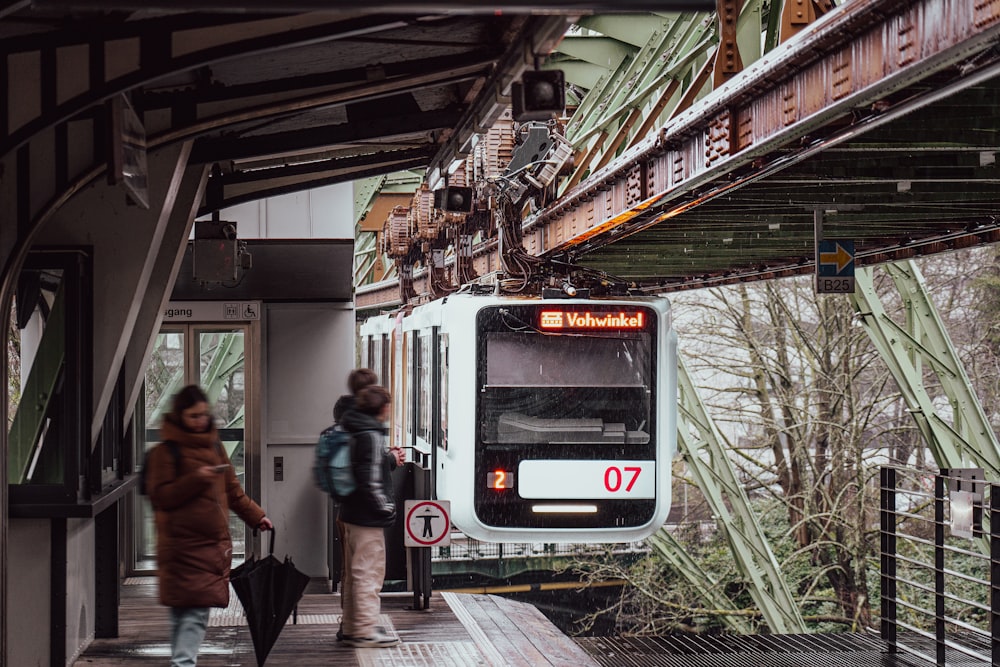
(81, 593)
(309, 350)
(29, 550)
(323, 213)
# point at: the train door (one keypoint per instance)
(216, 356)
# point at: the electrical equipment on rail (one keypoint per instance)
(548, 420)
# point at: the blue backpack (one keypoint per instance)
(332, 469)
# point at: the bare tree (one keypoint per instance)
(13, 366)
(807, 406)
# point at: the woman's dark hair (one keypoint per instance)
(184, 399)
(372, 399)
(360, 378)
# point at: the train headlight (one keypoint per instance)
(564, 509)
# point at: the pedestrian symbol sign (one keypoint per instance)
(427, 523)
(835, 267)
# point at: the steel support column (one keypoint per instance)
(713, 472)
(966, 439)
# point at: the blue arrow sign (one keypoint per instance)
(836, 258)
(835, 267)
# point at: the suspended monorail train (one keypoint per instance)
(541, 420)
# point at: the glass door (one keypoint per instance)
(212, 356)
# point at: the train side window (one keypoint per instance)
(443, 383)
(386, 347)
(424, 377)
(409, 364)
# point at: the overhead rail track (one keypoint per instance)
(728, 190)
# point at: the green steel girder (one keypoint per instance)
(642, 90)
(709, 592)
(364, 260)
(701, 446)
(634, 29)
(592, 110)
(675, 46)
(365, 192)
(223, 358)
(749, 28)
(598, 50)
(967, 437)
(631, 82)
(37, 393)
(582, 75)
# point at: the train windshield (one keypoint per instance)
(567, 388)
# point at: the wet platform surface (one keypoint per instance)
(457, 630)
(462, 630)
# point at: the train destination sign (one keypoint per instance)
(565, 319)
(572, 480)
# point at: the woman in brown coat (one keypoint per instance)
(192, 496)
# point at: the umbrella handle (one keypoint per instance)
(270, 549)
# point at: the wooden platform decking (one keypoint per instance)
(466, 630)
(459, 630)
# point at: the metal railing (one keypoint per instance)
(940, 569)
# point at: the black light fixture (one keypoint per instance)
(454, 199)
(539, 95)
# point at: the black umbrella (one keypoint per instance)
(269, 589)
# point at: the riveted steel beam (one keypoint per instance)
(859, 55)
(420, 6)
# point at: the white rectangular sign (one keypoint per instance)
(578, 480)
(211, 311)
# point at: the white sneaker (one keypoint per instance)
(377, 640)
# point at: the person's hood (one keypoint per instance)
(355, 421)
(343, 404)
(173, 431)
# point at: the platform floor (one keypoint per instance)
(457, 630)
(461, 630)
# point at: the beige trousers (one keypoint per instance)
(364, 572)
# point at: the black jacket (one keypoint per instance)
(372, 503)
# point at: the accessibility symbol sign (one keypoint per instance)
(835, 267)
(427, 523)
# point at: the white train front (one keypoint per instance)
(542, 419)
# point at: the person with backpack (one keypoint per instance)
(328, 464)
(192, 486)
(363, 516)
(332, 471)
